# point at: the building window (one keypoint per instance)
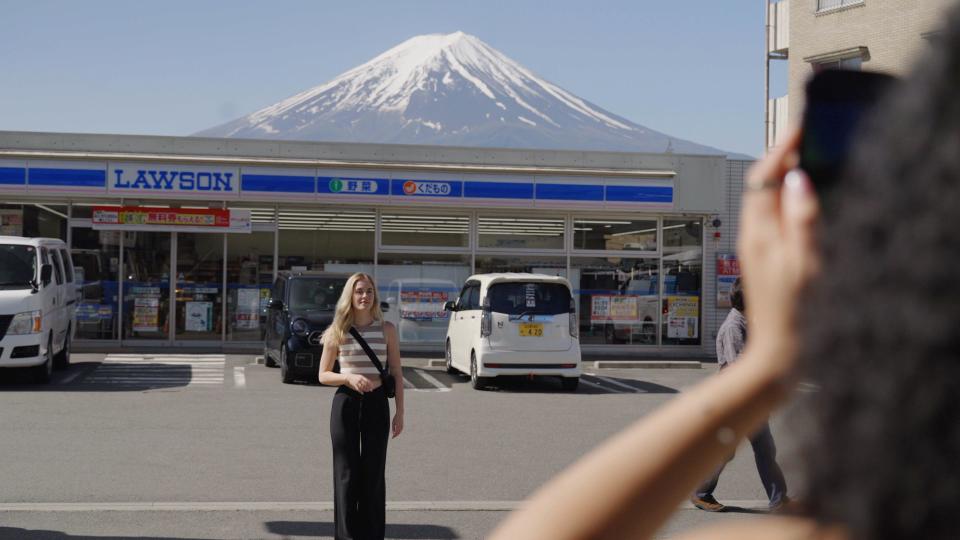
(827, 5)
(850, 64)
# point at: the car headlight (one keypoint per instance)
(300, 327)
(28, 322)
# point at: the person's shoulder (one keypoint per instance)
(767, 528)
(389, 328)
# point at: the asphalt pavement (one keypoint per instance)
(215, 446)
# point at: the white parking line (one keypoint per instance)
(285, 506)
(614, 382)
(407, 384)
(432, 380)
(70, 378)
(239, 380)
(595, 385)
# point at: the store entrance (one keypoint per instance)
(192, 310)
(199, 292)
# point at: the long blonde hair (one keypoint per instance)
(336, 333)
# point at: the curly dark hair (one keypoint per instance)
(881, 326)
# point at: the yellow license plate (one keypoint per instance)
(531, 329)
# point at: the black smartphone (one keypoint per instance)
(836, 103)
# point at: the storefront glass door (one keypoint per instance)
(199, 295)
(146, 285)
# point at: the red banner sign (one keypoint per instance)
(170, 219)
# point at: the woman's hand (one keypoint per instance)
(397, 424)
(777, 251)
(359, 383)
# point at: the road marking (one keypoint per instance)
(73, 376)
(323, 506)
(152, 369)
(614, 382)
(432, 380)
(601, 387)
(238, 378)
(398, 506)
(407, 384)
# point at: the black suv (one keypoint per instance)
(301, 307)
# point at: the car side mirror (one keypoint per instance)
(384, 306)
(46, 272)
(275, 304)
(449, 305)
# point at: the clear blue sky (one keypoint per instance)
(692, 69)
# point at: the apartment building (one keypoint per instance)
(875, 35)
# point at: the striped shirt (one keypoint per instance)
(352, 357)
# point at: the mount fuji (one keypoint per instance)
(450, 89)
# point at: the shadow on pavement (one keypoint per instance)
(741, 510)
(325, 529)
(16, 533)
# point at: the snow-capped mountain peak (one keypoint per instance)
(448, 89)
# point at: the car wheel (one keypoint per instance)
(448, 357)
(570, 384)
(285, 366)
(267, 359)
(43, 372)
(479, 383)
(62, 359)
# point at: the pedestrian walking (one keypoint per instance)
(731, 340)
(354, 346)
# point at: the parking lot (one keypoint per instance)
(215, 446)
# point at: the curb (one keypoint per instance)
(622, 364)
(648, 364)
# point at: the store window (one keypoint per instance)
(146, 285)
(249, 278)
(420, 229)
(326, 240)
(614, 234)
(413, 289)
(199, 294)
(617, 299)
(33, 220)
(96, 259)
(554, 266)
(682, 281)
(520, 233)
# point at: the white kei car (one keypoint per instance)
(514, 324)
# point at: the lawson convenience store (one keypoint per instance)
(178, 240)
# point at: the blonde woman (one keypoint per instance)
(360, 414)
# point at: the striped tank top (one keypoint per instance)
(353, 359)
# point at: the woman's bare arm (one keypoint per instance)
(630, 485)
(396, 369)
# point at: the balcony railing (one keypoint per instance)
(779, 119)
(778, 38)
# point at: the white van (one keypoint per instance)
(37, 304)
(514, 324)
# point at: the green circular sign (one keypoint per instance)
(336, 185)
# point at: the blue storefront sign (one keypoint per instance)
(219, 183)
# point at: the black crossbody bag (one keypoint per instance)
(387, 378)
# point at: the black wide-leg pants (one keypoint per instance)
(359, 429)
